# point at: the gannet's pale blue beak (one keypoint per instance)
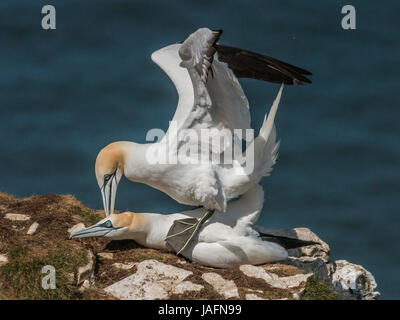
(101, 229)
(109, 192)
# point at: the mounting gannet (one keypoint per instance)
(210, 98)
(223, 241)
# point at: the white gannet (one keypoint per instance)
(210, 97)
(223, 241)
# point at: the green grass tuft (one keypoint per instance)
(317, 289)
(89, 218)
(23, 273)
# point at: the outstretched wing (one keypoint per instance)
(219, 103)
(219, 95)
(210, 97)
(201, 52)
(247, 64)
(168, 60)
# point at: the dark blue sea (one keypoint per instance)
(66, 93)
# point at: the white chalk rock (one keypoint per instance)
(78, 227)
(353, 281)
(320, 250)
(273, 279)
(252, 296)
(152, 280)
(254, 290)
(258, 272)
(32, 229)
(86, 272)
(17, 217)
(187, 286)
(226, 288)
(296, 280)
(315, 265)
(3, 259)
(124, 266)
(106, 255)
(296, 296)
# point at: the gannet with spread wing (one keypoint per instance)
(224, 241)
(210, 97)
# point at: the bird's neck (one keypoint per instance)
(153, 231)
(138, 166)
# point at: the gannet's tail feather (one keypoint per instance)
(265, 145)
(287, 243)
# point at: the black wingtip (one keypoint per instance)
(302, 81)
(248, 64)
(219, 31)
(218, 35)
(286, 242)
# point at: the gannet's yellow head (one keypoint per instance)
(118, 226)
(109, 170)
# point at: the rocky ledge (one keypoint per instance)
(34, 233)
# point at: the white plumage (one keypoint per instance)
(200, 160)
(224, 241)
(220, 106)
(191, 168)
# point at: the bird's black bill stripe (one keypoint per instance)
(109, 198)
(108, 179)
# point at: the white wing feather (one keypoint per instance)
(265, 145)
(169, 61)
(228, 106)
(212, 100)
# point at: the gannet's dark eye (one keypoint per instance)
(107, 224)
